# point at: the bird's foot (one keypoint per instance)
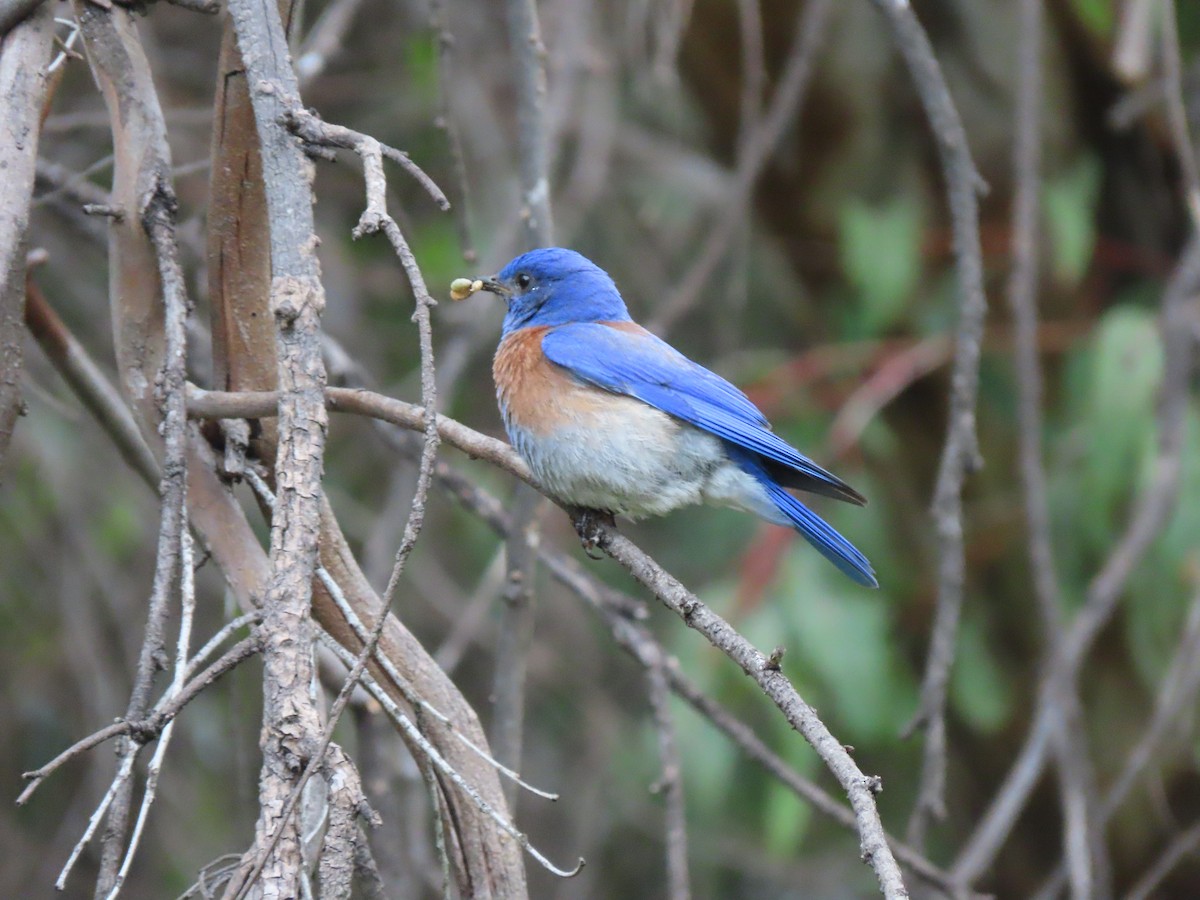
(589, 525)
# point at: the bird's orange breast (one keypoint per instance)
(536, 395)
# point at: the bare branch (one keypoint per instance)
(515, 632)
(144, 244)
(24, 53)
(187, 614)
(422, 743)
(1185, 153)
(754, 153)
(529, 69)
(325, 39)
(291, 724)
(446, 122)
(960, 455)
(1184, 844)
(518, 608)
(1083, 838)
(305, 125)
(89, 383)
(1150, 513)
(858, 786)
(670, 784)
(147, 729)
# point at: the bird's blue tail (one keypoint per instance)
(821, 535)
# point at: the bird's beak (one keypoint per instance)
(492, 286)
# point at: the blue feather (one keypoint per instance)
(822, 535)
(645, 367)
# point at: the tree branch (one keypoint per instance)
(960, 454)
(291, 724)
(24, 54)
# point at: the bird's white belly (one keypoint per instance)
(633, 460)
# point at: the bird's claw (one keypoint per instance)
(589, 525)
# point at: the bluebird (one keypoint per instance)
(614, 421)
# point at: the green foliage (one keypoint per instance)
(421, 64)
(1069, 205)
(785, 818)
(121, 530)
(979, 691)
(1098, 15)
(1105, 439)
(839, 640)
(880, 248)
(1166, 579)
(712, 769)
(1126, 368)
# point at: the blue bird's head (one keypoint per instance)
(556, 286)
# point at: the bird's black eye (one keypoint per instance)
(524, 281)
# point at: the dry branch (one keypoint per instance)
(755, 150)
(24, 54)
(960, 454)
(150, 308)
(297, 298)
(147, 729)
(859, 788)
(1150, 513)
(518, 609)
(1083, 839)
(670, 783)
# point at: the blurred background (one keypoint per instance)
(822, 283)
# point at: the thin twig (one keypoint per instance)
(515, 632)
(960, 454)
(439, 826)
(1150, 513)
(423, 744)
(519, 602)
(1185, 153)
(1184, 845)
(447, 122)
(1176, 692)
(307, 126)
(1083, 844)
(1022, 301)
(325, 39)
(529, 69)
(670, 784)
(89, 383)
(376, 218)
(188, 609)
(755, 152)
(417, 702)
(149, 728)
(158, 220)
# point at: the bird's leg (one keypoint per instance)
(589, 526)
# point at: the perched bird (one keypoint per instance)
(615, 421)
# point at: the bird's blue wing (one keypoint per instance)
(636, 363)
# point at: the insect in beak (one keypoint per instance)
(462, 288)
